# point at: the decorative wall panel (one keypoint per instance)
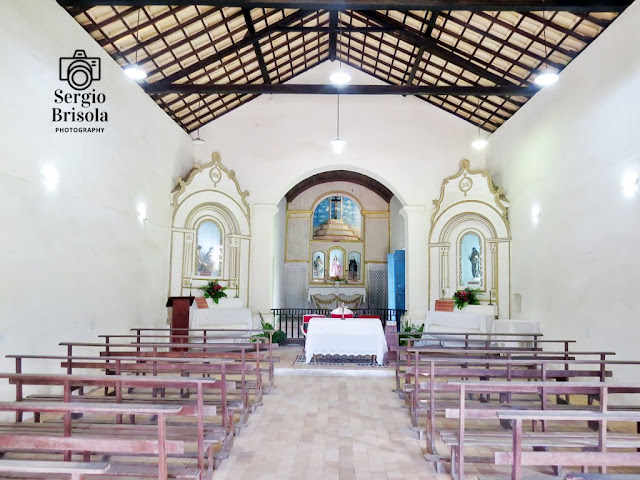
(377, 285)
(295, 285)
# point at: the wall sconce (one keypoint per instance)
(535, 214)
(142, 213)
(50, 177)
(630, 184)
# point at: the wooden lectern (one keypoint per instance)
(179, 318)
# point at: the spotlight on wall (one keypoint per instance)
(631, 184)
(535, 214)
(142, 212)
(50, 177)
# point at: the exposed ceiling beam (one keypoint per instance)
(467, 5)
(315, 89)
(344, 29)
(430, 45)
(256, 45)
(234, 48)
(333, 36)
(427, 33)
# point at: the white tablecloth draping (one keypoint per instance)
(458, 322)
(219, 317)
(515, 327)
(351, 336)
(333, 290)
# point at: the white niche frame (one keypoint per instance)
(210, 192)
(469, 201)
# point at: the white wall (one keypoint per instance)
(396, 232)
(76, 262)
(566, 152)
(275, 141)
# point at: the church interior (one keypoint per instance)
(318, 239)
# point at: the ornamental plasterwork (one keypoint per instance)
(217, 169)
(469, 183)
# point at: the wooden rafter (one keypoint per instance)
(323, 89)
(256, 45)
(237, 46)
(467, 5)
(430, 45)
(333, 35)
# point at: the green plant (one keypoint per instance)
(466, 296)
(277, 337)
(412, 331)
(213, 290)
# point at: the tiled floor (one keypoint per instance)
(317, 427)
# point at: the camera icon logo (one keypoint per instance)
(79, 71)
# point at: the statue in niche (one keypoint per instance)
(318, 266)
(336, 269)
(474, 258)
(353, 269)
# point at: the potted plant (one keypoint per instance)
(412, 331)
(214, 291)
(464, 297)
(278, 336)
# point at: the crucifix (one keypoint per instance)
(336, 208)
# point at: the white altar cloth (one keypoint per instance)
(220, 317)
(351, 336)
(333, 290)
(458, 322)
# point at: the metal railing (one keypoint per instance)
(290, 319)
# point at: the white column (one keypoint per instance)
(416, 261)
(261, 265)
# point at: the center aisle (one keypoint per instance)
(326, 428)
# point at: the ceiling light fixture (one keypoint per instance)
(133, 71)
(198, 140)
(337, 144)
(548, 77)
(340, 77)
(479, 143)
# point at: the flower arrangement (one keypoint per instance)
(467, 296)
(213, 290)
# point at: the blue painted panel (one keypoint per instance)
(396, 279)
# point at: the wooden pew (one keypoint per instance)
(469, 341)
(439, 370)
(542, 389)
(601, 457)
(67, 443)
(244, 353)
(75, 470)
(158, 366)
(190, 339)
(217, 331)
(121, 382)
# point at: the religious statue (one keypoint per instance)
(335, 270)
(474, 258)
(353, 269)
(318, 267)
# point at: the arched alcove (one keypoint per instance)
(470, 214)
(210, 194)
(359, 247)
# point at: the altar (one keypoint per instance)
(227, 315)
(351, 336)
